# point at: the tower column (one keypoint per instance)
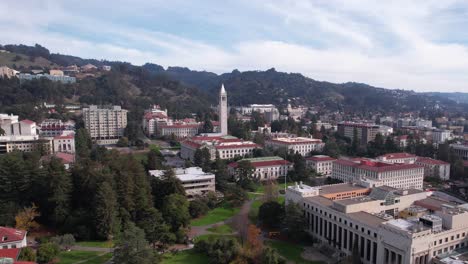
(223, 111)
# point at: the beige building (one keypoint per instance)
(56, 72)
(266, 168)
(227, 147)
(321, 164)
(435, 168)
(401, 157)
(301, 145)
(194, 180)
(365, 132)
(105, 125)
(7, 73)
(369, 222)
(377, 173)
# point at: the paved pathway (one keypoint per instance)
(95, 249)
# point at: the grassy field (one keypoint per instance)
(291, 252)
(99, 244)
(186, 256)
(222, 229)
(7, 59)
(90, 257)
(216, 215)
(280, 185)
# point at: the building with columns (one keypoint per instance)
(266, 168)
(347, 216)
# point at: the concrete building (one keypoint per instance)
(12, 238)
(401, 157)
(64, 143)
(105, 125)
(461, 150)
(321, 164)
(435, 168)
(223, 114)
(152, 118)
(194, 180)
(301, 145)
(55, 127)
(365, 132)
(377, 173)
(369, 222)
(441, 135)
(227, 147)
(55, 78)
(266, 168)
(56, 73)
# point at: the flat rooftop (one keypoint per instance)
(340, 188)
(367, 219)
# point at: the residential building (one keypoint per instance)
(441, 135)
(106, 67)
(321, 164)
(301, 145)
(194, 180)
(266, 168)
(378, 173)
(261, 108)
(370, 223)
(271, 116)
(7, 73)
(88, 67)
(461, 150)
(56, 73)
(55, 78)
(105, 125)
(435, 168)
(365, 132)
(152, 117)
(227, 147)
(401, 157)
(12, 238)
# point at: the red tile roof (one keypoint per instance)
(180, 126)
(27, 121)
(237, 146)
(65, 157)
(70, 136)
(431, 161)
(318, 158)
(376, 166)
(8, 234)
(12, 253)
(267, 163)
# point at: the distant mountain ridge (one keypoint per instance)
(455, 96)
(275, 87)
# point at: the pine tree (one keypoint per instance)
(107, 223)
(60, 189)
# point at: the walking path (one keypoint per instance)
(95, 249)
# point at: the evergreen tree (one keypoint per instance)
(176, 213)
(166, 185)
(198, 158)
(132, 248)
(60, 189)
(107, 222)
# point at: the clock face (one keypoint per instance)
(223, 98)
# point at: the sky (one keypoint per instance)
(413, 45)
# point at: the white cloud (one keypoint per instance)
(387, 44)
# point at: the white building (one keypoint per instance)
(301, 145)
(441, 135)
(266, 168)
(194, 180)
(64, 143)
(227, 147)
(55, 78)
(7, 73)
(377, 173)
(12, 238)
(152, 118)
(435, 168)
(105, 125)
(55, 127)
(371, 222)
(321, 164)
(400, 157)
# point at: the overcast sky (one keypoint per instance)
(417, 45)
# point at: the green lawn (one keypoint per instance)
(99, 244)
(142, 157)
(69, 257)
(290, 251)
(280, 185)
(222, 229)
(253, 213)
(216, 215)
(186, 256)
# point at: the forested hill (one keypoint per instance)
(180, 84)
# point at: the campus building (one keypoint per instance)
(321, 164)
(365, 132)
(266, 168)
(373, 222)
(435, 168)
(461, 150)
(194, 180)
(105, 125)
(301, 145)
(377, 173)
(401, 157)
